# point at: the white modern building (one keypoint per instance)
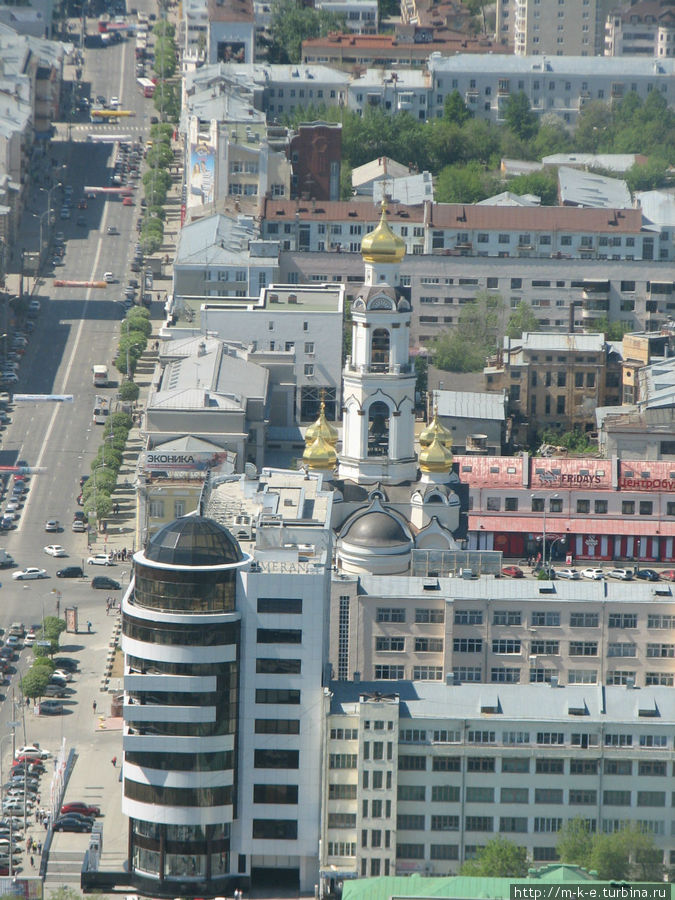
(361, 16)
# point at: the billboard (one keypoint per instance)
(29, 888)
(188, 461)
(201, 176)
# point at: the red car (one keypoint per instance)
(127, 201)
(512, 572)
(668, 575)
(82, 809)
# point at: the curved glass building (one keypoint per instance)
(181, 638)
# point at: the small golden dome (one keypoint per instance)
(436, 430)
(436, 457)
(381, 245)
(321, 428)
(319, 455)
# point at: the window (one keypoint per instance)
(424, 616)
(550, 619)
(271, 666)
(511, 504)
(646, 507)
(427, 673)
(478, 823)
(583, 798)
(583, 506)
(428, 645)
(660, 621)
(279, 636)
(275, 793)
(618, 740)
(550, 737)
(582, 676)
(653, 740)
(467, 645)
(583, 648)
(480, 764)
(652, 767)
(276, 759)
(408, 763)
(545, 648)
(600, 507)
(651, 798)
(280, 605)
(584, 620)
(389, 644)
(514, 795)
(480, 737)
(506, 646)
(628, 507)
(513, 824)
(388, 614)
(409, 851)
(618, 767)
(468, 674)
(547, 825)
(583, 766)
(550, 766)
(342, 761)
(409, 822)
(468, 617)
(621, 649)
(506, 617)
(443, 763)
(388, 673)
(504, 675)
(444, 851)
(443, 793)
(660, 651)
(277, 726)
(445, 823)
(275, 829)
(515, 765)
(342, 792)
(277, 695)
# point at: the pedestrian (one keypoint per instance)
(27, 701)
(89, 627)
(39, 848)
(32, 862)
(93, 706)
(114, 762)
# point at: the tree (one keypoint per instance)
(51, 630)
(574, 843)
(346, 189)
(499, 858)
(467, 183)
(455, 109)
(647, 176)
(64, 893)
(519, 116)
(542, 184)
(609, 857)
(521, 319)
(292, 23)
(465, 348)
(129, 391)
(35, 681)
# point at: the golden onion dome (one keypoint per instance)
(319, 455)
(381, 245)
(435, 429)
(436, 457)
(321, 428)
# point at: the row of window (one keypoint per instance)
(583, 505)
(537, 618)
(537, 674)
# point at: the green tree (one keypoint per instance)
(521, 319)
(129, 391)
(466, 183)
(552, 137)
(421, 366)
(455, 109)
(542, 184)
(610, 857)
(647, 176)
(465, 347)
(574, 842)
(346, 189)
(594, 129)
(499, 858)
(519, 116)
(34, 682)
(292, 23)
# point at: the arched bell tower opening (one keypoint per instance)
(380, 350)
(378, 429)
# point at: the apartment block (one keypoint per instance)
(645, 28)
(537, 27)
(419, 778)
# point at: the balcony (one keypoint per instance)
(379, 369)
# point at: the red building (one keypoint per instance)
(604, 509)
(316, 156)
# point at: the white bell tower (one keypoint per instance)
(379, 381)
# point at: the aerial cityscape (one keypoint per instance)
(337, 449)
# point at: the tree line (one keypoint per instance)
(464, 152)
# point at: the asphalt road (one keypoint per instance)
(76, 329)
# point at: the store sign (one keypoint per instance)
(553, 479)
(647, 484)
(156, 461)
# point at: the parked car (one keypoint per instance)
(76, 806)
(70, 572)
(68, 823)
(667, 574)
(55, 550)
(621, 574)
(572, 574)
(112, 229)
(647, 574)
(51, 708)
(512, 572)
(593, 574)
(31, 752)
(56, 690)
(66, 663)
(102, 582)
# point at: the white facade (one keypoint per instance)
(418, 781)
(361, 16)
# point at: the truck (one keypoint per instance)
(6, 560)
(99, 376)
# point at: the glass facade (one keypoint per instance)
(185, 591)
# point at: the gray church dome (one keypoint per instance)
(374, 526)
(193, 541)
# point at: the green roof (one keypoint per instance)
(460, 887)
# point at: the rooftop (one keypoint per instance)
(471, 404)
(578, 66)
(540, 218)
(557, 342)
(218, 240)
(577, 188)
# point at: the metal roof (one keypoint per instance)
(471, 404)
(587, 189)
(557, 342)
(608, 66)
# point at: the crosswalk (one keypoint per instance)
(115, 128)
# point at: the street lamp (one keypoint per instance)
(13, 726)
(41, 217)
(543, 538)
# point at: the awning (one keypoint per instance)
(558, 526)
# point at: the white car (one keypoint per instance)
(30, 572)
(109, 277)
(62, 674)
(52, 525)
(567, 573)
(621, 574)
(30, 639)
(100, 559)
(32, 750)
(114, 102)
(593, 574)
(55, 550)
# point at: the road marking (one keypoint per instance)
(71, 361)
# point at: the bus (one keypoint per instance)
(146, 86)
(101, 411)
